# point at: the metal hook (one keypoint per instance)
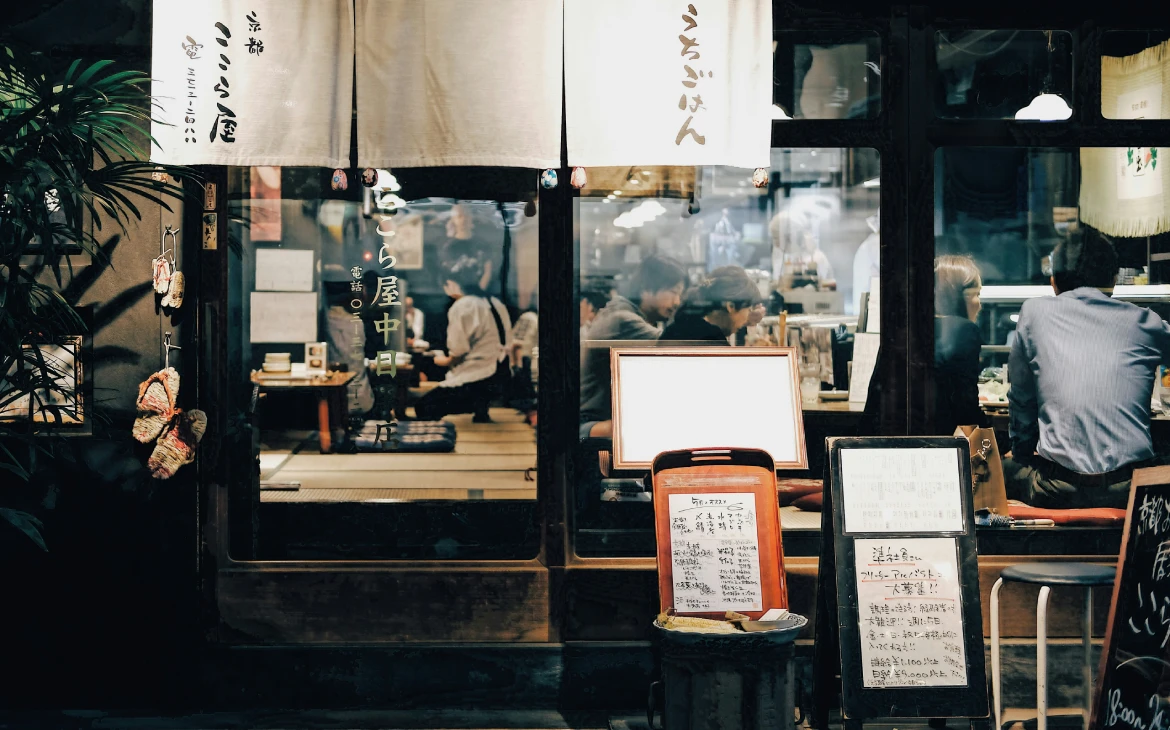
(168, 347)
(174, 243)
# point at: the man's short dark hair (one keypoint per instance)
(595, 297)
(657, 273)
(1085, 258)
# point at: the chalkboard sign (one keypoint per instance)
(718, 525)
(1133, 688)
(898, 614)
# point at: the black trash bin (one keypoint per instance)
(728, 681)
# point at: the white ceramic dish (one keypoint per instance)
(827, 395)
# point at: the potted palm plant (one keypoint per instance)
(72, 164)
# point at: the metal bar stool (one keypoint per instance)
(1046, 575)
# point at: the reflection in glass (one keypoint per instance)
(1000, 74)
(818, 76)
(1007, 209)
(673, 257)
(393, 341)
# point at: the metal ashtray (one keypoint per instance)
(790, 622)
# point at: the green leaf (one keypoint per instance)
(27, 524)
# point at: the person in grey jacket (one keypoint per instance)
(655, 292)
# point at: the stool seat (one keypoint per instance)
(1061, 574)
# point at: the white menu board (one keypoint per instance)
(715, 552)
(901, 490)
(910, 612)
(755, 406)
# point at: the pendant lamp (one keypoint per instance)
(1048, 106)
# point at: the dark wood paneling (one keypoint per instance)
(331, 603)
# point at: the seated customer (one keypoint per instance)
(478, 338)
(656, 288)
(1082, 372)
(957, 344)
(715, 309)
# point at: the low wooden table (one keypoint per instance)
(329, 389)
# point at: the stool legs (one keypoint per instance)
(1042, 658)
(1087, 638)
(996, 678)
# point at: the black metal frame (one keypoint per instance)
(905, 134)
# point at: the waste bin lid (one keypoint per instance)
(785, 631)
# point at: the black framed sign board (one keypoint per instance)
(1134, 682)
(898, 613)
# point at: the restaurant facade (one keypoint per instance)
(309, 556)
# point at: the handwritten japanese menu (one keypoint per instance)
(910, 612)
(1135, 688)
(715, 551)
(901, 490)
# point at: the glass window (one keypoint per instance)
(392, 341)
(1133, 67)
(826, 76)
(1007, 210)
(1004, 74)
(700, 256)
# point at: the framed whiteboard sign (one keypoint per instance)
(672, 398)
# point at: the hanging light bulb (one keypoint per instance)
(1048, 106)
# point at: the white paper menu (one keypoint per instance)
(715, 552)
(901, 490)
(910, 612)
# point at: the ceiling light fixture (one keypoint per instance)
(1048, 106)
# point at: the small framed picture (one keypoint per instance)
(52, 376)
(315, 358)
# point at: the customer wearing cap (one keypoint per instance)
(1082, 370)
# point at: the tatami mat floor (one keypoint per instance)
(491, 461)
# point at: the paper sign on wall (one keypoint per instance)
(901, 490)
(279, 317)
(255, 82)
(284, 269)
(865, 352)
(909, 610)
(715, 552)
(701, 93)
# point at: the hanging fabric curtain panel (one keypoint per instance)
(255, 82)
(668, 82)
(1124, 189)
(459, 83)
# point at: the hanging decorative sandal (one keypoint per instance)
(176, 446)
(157, 396)
(162, 274)
(173, 297)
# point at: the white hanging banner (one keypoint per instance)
(255, 82)
(459, 82)
(668, 82)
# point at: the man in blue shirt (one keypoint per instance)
(1082, 372)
